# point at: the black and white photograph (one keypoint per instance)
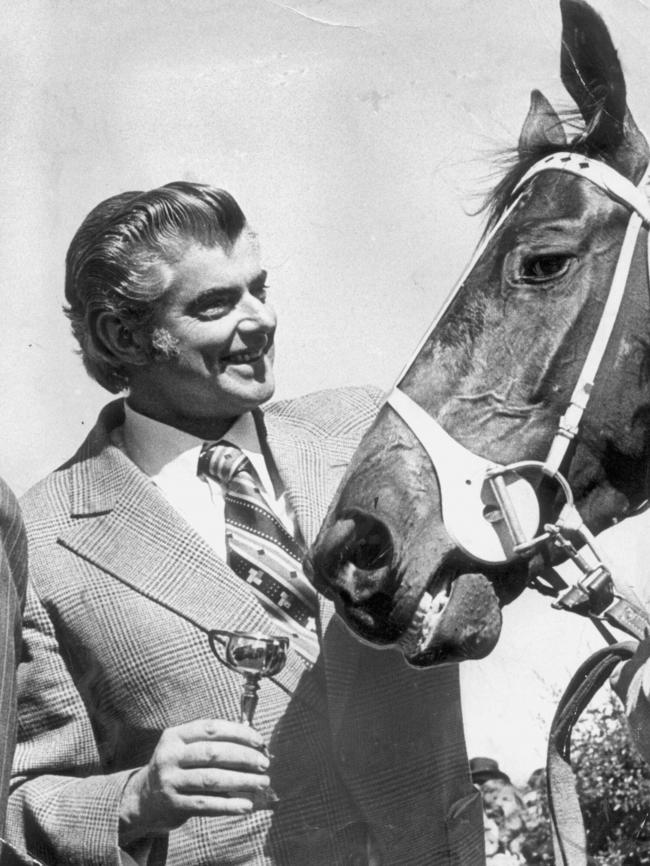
(325, 456)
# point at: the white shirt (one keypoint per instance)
(170, 458)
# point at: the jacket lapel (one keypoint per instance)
(130, 531)
(310, 473)
(310, 467)
(304, 465)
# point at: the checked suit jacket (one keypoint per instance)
(122, 594)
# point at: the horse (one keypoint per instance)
(520, 428)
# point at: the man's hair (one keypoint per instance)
(113, 261)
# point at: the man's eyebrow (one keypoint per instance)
(216, 293)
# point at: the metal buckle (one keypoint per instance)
(523, 545)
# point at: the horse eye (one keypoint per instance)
(538, 269)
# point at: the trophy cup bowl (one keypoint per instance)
(253, 655)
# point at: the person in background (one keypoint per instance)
(503, 813)
(483, 769)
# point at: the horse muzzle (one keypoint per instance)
(450, 615)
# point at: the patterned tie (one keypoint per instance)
(260, 549)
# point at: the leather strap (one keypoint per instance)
(570, 421)
(569, 838)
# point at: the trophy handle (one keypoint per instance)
(218, 648)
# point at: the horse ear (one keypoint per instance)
(542, 126)
(592, 74)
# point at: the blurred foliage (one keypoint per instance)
(613, 783)
(537, 846)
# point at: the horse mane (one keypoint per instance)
(515, 164)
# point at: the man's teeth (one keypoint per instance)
(244, 357)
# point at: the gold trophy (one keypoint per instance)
(253, 656)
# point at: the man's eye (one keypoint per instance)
(539, 269)
(213, 310)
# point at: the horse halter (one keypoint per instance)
(491, 511)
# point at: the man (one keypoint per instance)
(180, 514)
(13, 582)
(483, 770)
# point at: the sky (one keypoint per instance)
(359, 136)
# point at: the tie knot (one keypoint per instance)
(223, 461)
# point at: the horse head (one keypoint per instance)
(498, 372)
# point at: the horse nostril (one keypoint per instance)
(352, 559)
(346, 597)
(371, 546)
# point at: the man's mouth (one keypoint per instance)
(250, 357)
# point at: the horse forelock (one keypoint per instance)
(514, 164)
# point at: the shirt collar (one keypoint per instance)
(157, 448)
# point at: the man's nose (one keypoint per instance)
(256, 316)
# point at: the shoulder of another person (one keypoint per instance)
(14, 543)
(9, 510)
(338, 410)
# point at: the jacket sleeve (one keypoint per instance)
(62, 808)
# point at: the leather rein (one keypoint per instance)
(492, 511)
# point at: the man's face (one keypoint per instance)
(215, 311)
(491, 791)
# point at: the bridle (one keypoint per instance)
(491, 511)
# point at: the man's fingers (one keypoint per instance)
(217, 729)
(228, 755)
(213, 806)
(203, 767)
(220, 782)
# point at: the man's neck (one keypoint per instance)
(209, 429)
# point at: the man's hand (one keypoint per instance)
(205, 767)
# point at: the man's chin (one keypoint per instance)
(246, 398)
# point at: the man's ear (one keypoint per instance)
(120, 341)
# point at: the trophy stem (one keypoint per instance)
(249, 698)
